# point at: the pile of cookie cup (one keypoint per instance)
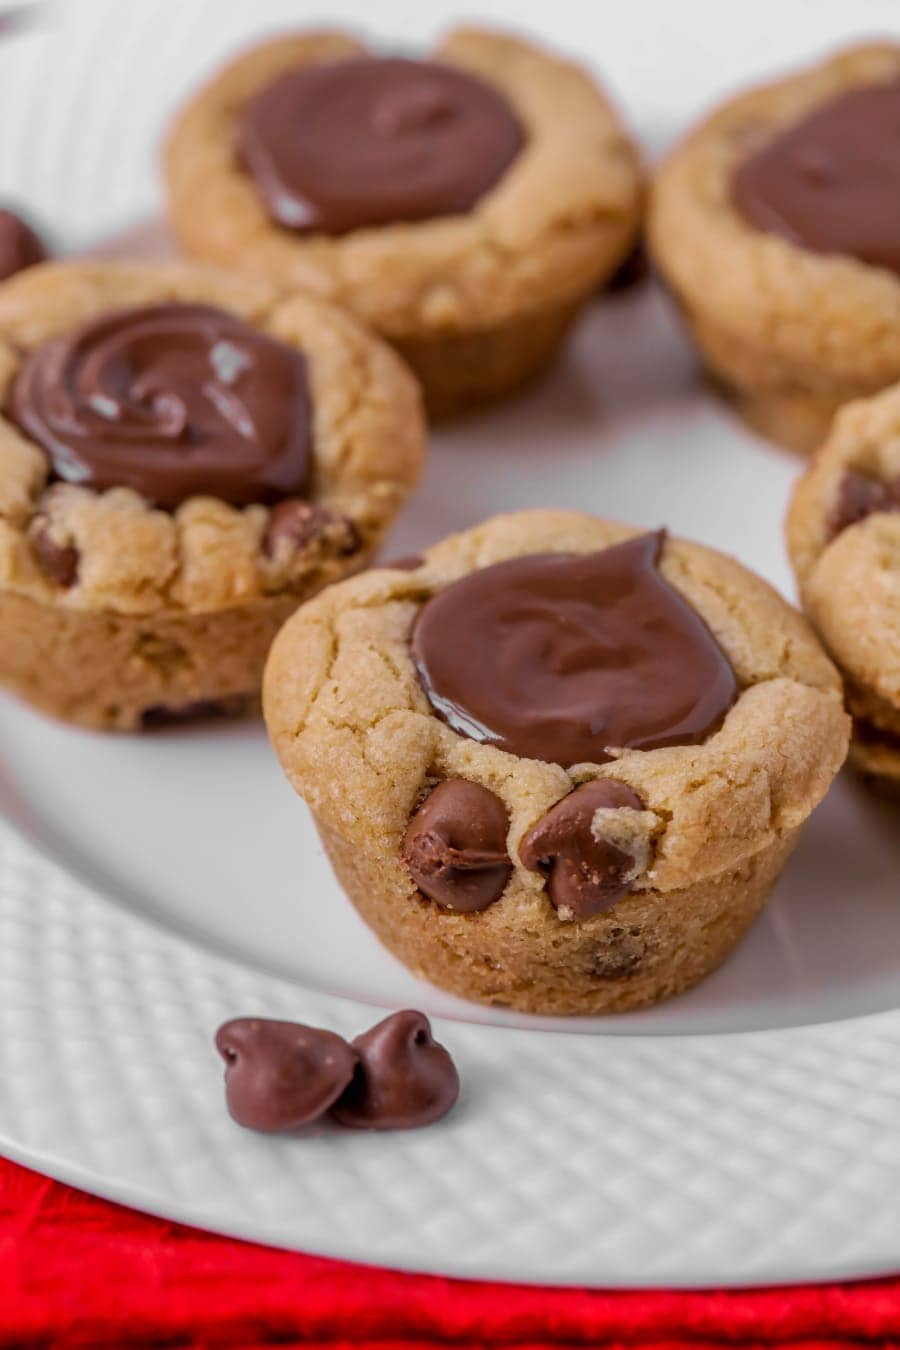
(557, 762)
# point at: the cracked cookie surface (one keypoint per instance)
(719, 817)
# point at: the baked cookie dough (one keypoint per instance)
(184, 457)
(775, 223)
(843, 531)
(559, 764)
(463, 206)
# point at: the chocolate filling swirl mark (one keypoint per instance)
(565, 657)
(171, 400)
(340, 146)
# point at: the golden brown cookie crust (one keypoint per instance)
(204, 569)
(795, 333)
(557, 224)
(850, 584)
(340, 689)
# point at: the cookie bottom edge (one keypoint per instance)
(462, 371)
(697, 929)
(104, 671)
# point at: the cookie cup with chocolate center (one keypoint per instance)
(476, 290)
(185, 456)
(791, 331)
(576, 887)
(843, 530)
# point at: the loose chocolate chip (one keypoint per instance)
(403, 1078)
(59, 561)
(20, 247)
(859, 496)
(455, 846)
(295, 524)
(280, 1075)
(407, 564)
(585, 874)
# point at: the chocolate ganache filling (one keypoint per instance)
(565, 657)
(172, 400)
(342, 145)
(831, 182)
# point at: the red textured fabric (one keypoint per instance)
(76, 1271)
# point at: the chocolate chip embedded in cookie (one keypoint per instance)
(775, 224)
(187, 456)
(560, 765)
(464, 204)
(20, 247)
(455, 846)
(860, 495)
(403, 1078)
(843, 532)
(281, 1075)
(586, 849)
(295, 525)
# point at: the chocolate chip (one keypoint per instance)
(408, 564)
(403, 1078)
(455, 846)
(860, 495)
(585, 874)
(295, 524)
(281, 1075)
(20, 247)
(59, 561)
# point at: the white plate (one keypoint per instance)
(744, 1133)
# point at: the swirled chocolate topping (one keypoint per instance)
(455, 846)
(831, 182)
(172, 400)
(563, 657)
(19, 245)
(342, 145)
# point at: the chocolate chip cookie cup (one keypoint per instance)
(843, 530)
(463, 206)
(184, 458)
(775, 224)
(558, 765)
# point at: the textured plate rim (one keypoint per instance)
(782, 1050)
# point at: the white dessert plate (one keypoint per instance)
(747, 1132)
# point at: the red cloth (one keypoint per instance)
(76, 1271)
